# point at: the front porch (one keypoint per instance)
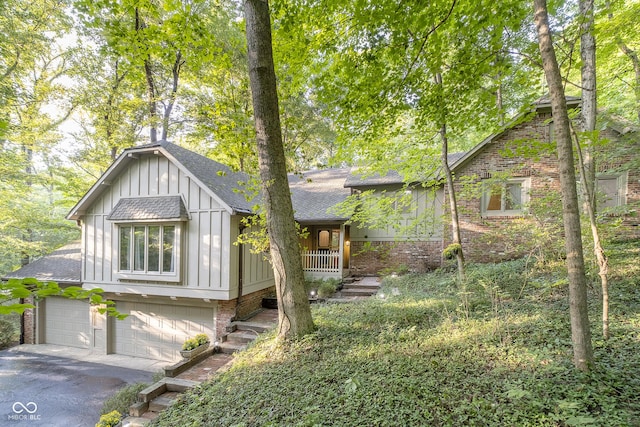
(326, 252)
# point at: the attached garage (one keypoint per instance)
(157, 331)
(67, 322)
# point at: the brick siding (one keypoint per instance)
(229, 311)
(415, 256)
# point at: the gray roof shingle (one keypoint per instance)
(314, 192)
(62, 266)
(149, 208)
(230, 186)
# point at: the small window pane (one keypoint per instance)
(494, 199)
(153, 260)
(138, 248)
(168, 249)
(125, 248)
(513, 196)
(323, 239)
(608, 189)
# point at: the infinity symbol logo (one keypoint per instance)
(30, 407)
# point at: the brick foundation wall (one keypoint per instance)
(416, 256)
(29, 326)
(229, 311)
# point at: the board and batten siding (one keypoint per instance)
(426, 210)
(209, 258)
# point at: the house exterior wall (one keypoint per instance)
(209, 262)
(523, 151)
(416, 245)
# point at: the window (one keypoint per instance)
(506, 197)
(148, 249)
(612, 191)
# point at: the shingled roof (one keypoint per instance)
(149, 208)
(224, 184)
(314, 192)
(62, 266)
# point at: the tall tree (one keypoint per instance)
(586, 160)
(294, 313)
(580, 331)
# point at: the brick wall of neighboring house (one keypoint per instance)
(414, 256)
(525, 150)
(230, 310)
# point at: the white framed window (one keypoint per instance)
(611, 190)
(505, 198)
(149, 251)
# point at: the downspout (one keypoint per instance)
(240, 271)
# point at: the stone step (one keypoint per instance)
(257, 327)
(135, 422)
(179, 385)
(362, 285)
(240, 336)
(358, 292)
(161, 403)
(230, 347)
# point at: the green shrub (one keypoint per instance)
(327, 288)
(122, 400)
(197, 341)
(109, 420)
(7, 333)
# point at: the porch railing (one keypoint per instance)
(322, 261)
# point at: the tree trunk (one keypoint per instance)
(580, 332)
(294, 312)
(151, 88)
(598, 250)
(633, 56)
(453, 205)
(589, 101)
(586, 161)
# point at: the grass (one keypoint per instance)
(495, 352)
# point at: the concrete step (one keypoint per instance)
(362, 285)
(135, 422)
(240, 337)
(162, 402)
(179, 385)
(351, 292)
(230, 347)
(257, 327)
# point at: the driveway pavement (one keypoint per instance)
(45, 390)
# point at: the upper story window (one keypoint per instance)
(505, 198)
(149, 233)
(148, 248)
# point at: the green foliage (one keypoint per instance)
(197, 341)
(327, 288)
(111, 419)
(451, 251)
(15, 289)
(7, 332)
(413, 358)
(122, 400)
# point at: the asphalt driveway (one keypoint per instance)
(42, 390)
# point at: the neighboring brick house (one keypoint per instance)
(515, 168)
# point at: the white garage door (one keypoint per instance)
(157, 331)
(67, 322)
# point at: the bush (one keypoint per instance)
(122, 400)
(109, 420)
(327, 288)
(7, 333)
(197, 341)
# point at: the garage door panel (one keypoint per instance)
(67, 322)
(157, 331)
